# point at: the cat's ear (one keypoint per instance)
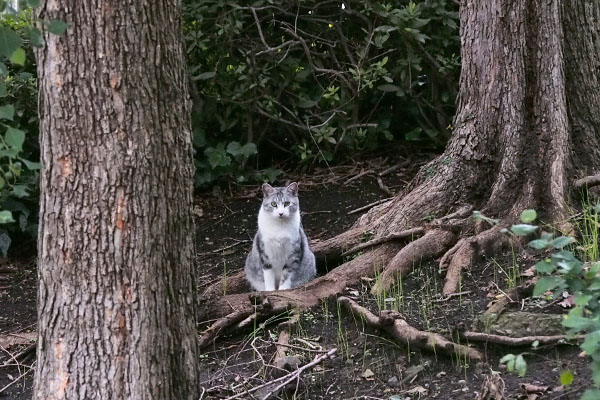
(267, 189)
(292, 189)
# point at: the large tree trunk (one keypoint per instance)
(116, 313)
(527, 126)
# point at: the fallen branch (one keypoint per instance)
(393, 323)
(369, 206)
(216, 328)
(517, 341)
(17, 379)
(359, 175)
(383, 187)
(588, 181)
(394, 236)
(286, 378)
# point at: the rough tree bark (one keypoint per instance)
(527, 127)
(116, 313)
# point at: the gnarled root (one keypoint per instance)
(393, 323)
(347, 274)
(463, 255)
(433, 244)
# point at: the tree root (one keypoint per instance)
(432, 245)
(463, 255)
(516, 341)
(393, 323)
(310, 295)
(394, 236)
(588, 181)
(209, 335)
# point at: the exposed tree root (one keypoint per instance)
(433, 244)
(365, 265)
(463, 255)
(516, 341)
(588, 181)
(283, 341)
(393, 323)
(409, 233)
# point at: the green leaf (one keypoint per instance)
(234, 148)
(544, 267)
(6, 217)
(217, 157)
(57, 27)
(523, 229)
(7, 112)
(20, 191)
(566, 378)
(546, 283)
(562, 241)
(521, 365)
(307, 103)
(9, 41)
(31, 165)
(249, 149)
(34, 3)
(3, 91)
(591, 394)
(389, 88)
(18, 57)
(539, 244)
(591, 344)
(577, 323)
(35, 37)
(4, 243)
(204, 76)
(14, 138)
(528, 216)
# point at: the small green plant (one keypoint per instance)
(563, 271)
(515, 363)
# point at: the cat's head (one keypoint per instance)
(280, 202)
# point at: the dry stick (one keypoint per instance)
(516, 341)
(394, 168)
(284, 336)
(368, 206)
(588, 181)
(393, 236)
(360, 175)
(16, 380)
(287, 378)
(393, 323)
(222, 323)
(383, 187)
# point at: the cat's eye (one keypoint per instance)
(287, 203)
(273, 204)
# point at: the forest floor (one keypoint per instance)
(368, 363)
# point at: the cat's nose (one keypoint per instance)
(281, 214)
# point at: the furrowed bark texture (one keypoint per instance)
(528, 119)
(116, 313)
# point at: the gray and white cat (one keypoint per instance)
(280, 257)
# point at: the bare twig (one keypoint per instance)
(286, 378)
(357, 176)
(370, 205)
(394, 236)
(517, 341)
(222, 323)
(383, 187)
(16, 380)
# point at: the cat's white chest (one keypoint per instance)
(278, 238)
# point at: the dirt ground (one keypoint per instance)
(368, 364)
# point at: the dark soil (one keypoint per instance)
(368, 363)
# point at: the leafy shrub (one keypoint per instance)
(310, 81)
(562, 270)
(19, 150)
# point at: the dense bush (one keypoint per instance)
(19, 149)
(312, 80)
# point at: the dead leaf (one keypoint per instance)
(417, 390)
(368, 375)
(14, 339)
(529, 272)
(198, 211)
(568, 302)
